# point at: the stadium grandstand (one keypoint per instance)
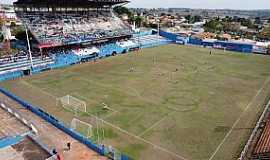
(69, 32)
(66, 22)
(262, 148)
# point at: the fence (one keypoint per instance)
(234, 46)
(10, 75)
(143, 33)
(173, 37)
(194, 41)
(60, 125)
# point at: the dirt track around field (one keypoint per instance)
(52, 137)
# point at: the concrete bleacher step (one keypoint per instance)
(19, 62)
(26, 64)
(15, 66)
(48, 61)
(11, 63)
(150, 38)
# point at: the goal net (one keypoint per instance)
(81, 127)
(72, 104)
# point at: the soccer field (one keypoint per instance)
(171, 102)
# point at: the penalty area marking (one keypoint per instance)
(138, 138)
(105, 106)
(237, 121)
(109, 115)
(122, 130)
(38, 88)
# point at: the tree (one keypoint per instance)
(265, 34)
(193, 19)
(214, 25)
(19, 33)
(138, 21)
(13, 24)
(197, 19)
(122, 10)
(246, 22)
(132, 19)
(227, 19)
(258, 20)
(188, 18)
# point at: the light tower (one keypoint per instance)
(29, 46)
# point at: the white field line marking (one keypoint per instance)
(126, 132)
(75, 93)
(115, 88)
(100, 84)
(109, 115)
(155, 124)
(83, 97)
(136, 92)
(237, 121)
(139, 138)
(41, 90)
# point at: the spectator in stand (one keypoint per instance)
(73, 27)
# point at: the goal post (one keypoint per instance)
(82, 127)
(72, 104)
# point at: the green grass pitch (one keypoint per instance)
(170, 102)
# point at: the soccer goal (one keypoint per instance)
(113, 153)
(72, 104)
(82, 127)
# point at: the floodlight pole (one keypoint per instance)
(158, 27)
(139, 42)
(29, 47)
(138, 32)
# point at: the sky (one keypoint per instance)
(209, 4)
